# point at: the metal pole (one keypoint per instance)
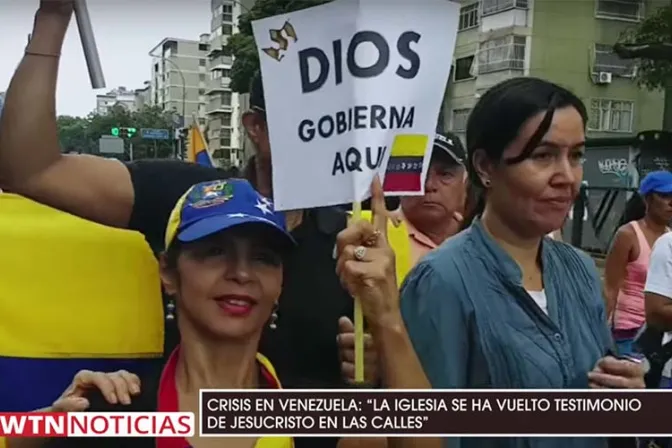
(130, 149)
(89, 45)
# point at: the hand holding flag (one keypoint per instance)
(366, 263)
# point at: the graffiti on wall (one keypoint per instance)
(619, 167)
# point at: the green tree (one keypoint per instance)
(73, 134)
(82, 134)
(651, 42)
(242, 46)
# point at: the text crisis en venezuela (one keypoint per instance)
(97, 424)
(430, 404)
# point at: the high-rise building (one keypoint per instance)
(120, 96)
(179, 78)
(226, 137)
(569, 43)
(143, 96)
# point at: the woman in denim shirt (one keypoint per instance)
(500, 305)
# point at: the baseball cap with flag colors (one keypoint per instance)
(210, 207)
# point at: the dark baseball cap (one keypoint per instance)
(450, 144)
(257, 93)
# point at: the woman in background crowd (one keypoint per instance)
(524, 311)
(627, 262)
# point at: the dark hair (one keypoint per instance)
(498, 116)
(635, 209)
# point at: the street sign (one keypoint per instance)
(155, 134)
(109, 144)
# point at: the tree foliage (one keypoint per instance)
(242, 46)
(655, 29)
(81, 134)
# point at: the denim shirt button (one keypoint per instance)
(558, 337)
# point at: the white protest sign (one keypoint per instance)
(350, 85)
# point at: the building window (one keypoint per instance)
(201, 91)
(227, 13)
(201, 62)
(226, 120)
(611, 115)
(460, 117)
(227, 30)
(201, 77)
(463, 68)
(223, 153)
(203, 47)
(225, 142)
(619, 9)
(468, 17)
(226, 73)
(495, 6)
(605, 60)
(506, 53)
(225, 98)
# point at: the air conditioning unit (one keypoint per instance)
(603, 78)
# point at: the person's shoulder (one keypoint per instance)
(575, 260)
(441, 270)
(453, 250)
(167, 169)
(329, 220)
(626, 233)
(663, 245)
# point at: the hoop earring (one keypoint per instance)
(170, 310)
(486, 183)
(273, 322)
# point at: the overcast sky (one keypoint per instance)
(125, 31)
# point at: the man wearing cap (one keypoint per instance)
(437, 215)
(140, 195)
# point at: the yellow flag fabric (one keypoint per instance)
(198, 148)
(74, 295)
(398, 239)
(270, 442)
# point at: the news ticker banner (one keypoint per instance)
(434, 412)
(385, 413)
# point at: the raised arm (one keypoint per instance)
(31, 163)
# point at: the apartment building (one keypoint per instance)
(567, 42)
(179, 78)
(143, 95)
(121, 96)
(226, 137)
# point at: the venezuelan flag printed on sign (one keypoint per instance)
(75, 295)
(404, 168)
(198, 148)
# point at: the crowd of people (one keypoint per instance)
(460, 288)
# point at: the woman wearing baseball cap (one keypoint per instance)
(627, 262)
(224, 267)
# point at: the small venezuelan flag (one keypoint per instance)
(404, 168)
(198, 148)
